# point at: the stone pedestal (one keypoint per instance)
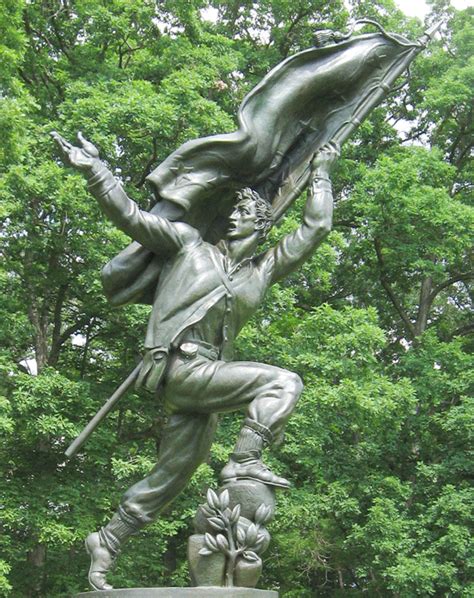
(205, 592)
(231, 535)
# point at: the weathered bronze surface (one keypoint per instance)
(205, 295)
(195, 259)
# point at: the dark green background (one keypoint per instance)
(377, 323)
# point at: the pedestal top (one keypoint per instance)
(196, 592)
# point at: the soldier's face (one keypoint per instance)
(242, 221)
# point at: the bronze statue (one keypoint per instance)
(194, 258)
(205, 295)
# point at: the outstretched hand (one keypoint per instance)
(84, 158)
(325, 158)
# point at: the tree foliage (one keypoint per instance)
(377, 322)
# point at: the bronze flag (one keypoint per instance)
(311, 98)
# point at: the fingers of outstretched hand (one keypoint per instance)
(63, 144)
(327, 154)
(87, 145)
(65, 148)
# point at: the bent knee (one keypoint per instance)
(292, 383)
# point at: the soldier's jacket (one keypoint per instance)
(197, 274)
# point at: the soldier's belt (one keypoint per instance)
(191, 349)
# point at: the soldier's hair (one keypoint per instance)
(263, 211)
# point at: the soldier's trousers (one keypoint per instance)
(194, 392)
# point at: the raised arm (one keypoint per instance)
(154, 232)
(291, 251)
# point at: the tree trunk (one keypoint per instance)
(37, 558)
(41, 336)
(424, 306)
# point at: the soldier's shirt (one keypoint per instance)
(194, 286)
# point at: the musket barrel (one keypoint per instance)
(102, 413)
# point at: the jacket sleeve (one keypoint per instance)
(154, 232)
(291, 251)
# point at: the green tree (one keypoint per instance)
(377, 322)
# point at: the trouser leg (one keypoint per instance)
(185, 444)
(253, 438)
(267, 416)
(269, 393)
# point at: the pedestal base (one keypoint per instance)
(197, 592)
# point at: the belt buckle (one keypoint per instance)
(189, 350)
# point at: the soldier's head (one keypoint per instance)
(251, 214)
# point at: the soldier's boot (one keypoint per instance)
(245, 462)
(104, 546)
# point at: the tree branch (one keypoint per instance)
(60, 40)
(462, 276)
(388, 289)
(57, 314)
(463, 330)
(66, 334)
(70, 330)
(149, 164)
(345, 224)
(151, 432)
(424, 305)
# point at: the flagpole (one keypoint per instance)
(300, 181)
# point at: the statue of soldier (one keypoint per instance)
(204, 296)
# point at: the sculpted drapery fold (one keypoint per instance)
(298, 107)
